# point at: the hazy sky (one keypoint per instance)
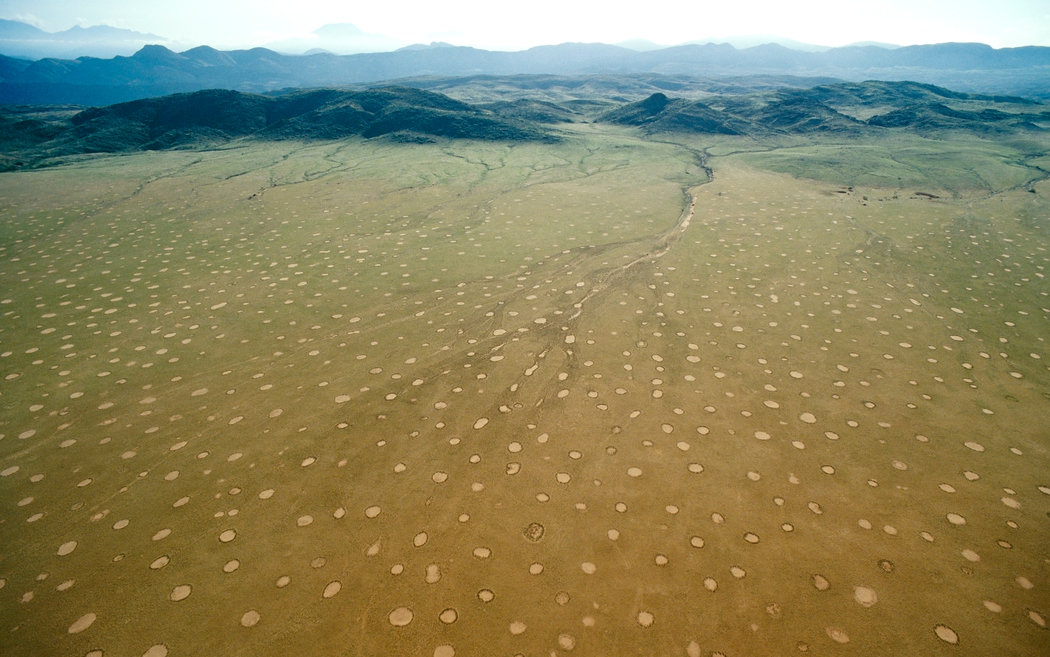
(519, 25)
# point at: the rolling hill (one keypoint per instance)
(845, 109)
(34, 136)
(212, 117)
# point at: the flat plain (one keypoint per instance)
(606, 396)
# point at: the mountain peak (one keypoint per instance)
(655, 103)
(153, 50)
(339, 30)
(104, 32)
(20, 39)
(641, 45)
(154, 55)
(18, 30)
(427, 46)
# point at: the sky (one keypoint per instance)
(485, 24)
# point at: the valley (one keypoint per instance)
(619, 384)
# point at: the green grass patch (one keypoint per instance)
(959, 164)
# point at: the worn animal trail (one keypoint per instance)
(659, 249)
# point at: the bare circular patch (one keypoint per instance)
(400, 617)
(180, 592)
(331, 589)
(448, 616)
(865, 596)
(838, 635)
(946, 634)
(533, 532)
(82, 623)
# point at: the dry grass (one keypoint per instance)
(376, 399)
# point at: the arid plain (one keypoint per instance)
(609, 396)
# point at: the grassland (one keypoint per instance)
(954, 165)
(611, 395)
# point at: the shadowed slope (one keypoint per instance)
(848, 109)
(208, 117)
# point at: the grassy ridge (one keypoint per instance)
(206, 118)
(847, 109)
(873, 111)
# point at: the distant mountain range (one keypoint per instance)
(336, 38)
(19, 39)
(155, 70)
